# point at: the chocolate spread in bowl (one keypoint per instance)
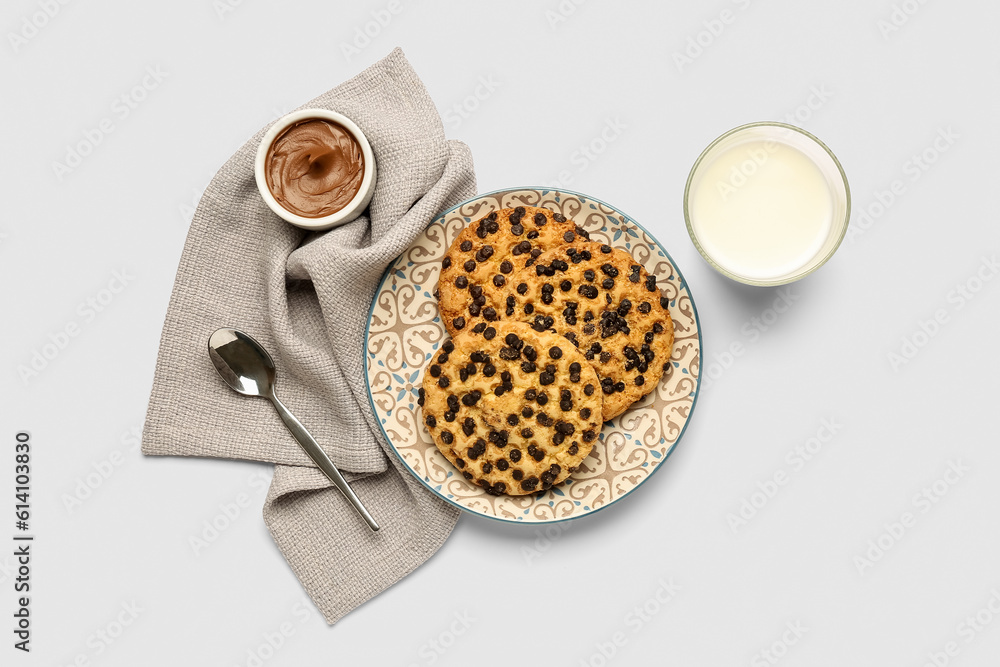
(314, 168)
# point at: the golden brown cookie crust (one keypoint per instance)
(621, 321)
(477, 266)
(514, 410)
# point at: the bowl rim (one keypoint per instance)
(353, 208)
(796, 276)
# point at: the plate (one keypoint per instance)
(404, 331)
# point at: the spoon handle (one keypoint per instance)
(318, 456)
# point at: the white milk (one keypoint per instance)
(761, 209)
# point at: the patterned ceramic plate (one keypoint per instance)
(404, 331)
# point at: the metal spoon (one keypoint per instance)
(249, 370)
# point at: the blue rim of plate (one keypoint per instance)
(694, 402)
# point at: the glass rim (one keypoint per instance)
(781, 281)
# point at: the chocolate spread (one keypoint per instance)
(314, 168)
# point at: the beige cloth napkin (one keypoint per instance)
(306, 298)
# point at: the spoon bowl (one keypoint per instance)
(242, 362)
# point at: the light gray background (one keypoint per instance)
(558, 73)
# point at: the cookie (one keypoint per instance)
(606, 303)
(515, 410)
(481, 260)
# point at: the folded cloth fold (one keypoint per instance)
(306, 298)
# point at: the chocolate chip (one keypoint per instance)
(559, 217)
(475, 309)
(446, 263)
(530, 395)
(529, 352)
(540, 219)
(527, 433)
(467, 475)
(469, 426)
(487, 467)
(526, 412)
(472, 398)
(639, 381)
(466, 246)
(589, 390)
(573, 449)
(517, 474)
(585, 413)
(443, 381)
(538, 454)
(435, 370)
(484, 253)
(479, 327)
(516, 229)
(651, 283)
(606, 249)
(447, 438)
(506, 266)
(448, 347)
(644, 307)
(533, 234)
(420, 397)
(490, 314)
(528, 367)
(463, 374)
(559, 265)
(568, 237)
(499, 280)
(542, 399)
(469, 266)
(453, 402)
(605, 357)
(522, 288)
(489, 370)
(449, 416)
(515, 455)
(607, 283)
(530, 483)
(619, 386)
(489, 333)
(589, 435)
(542, 322)
(547, 299)
(555, 352)
(476, 292)
(460, 463)
(588, 329)
(546, 378)
(477, 450)
(588, 291)
(634, 276)
(529, 308)
(430, 421)
(461, 282)
(589, 275)
(502, 465)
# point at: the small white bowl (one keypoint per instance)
(354, 208)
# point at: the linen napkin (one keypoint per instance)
(306, 298)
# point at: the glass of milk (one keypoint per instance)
(767, 203)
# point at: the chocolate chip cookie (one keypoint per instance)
(515, 410)
(608, 306)
(478, 265)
